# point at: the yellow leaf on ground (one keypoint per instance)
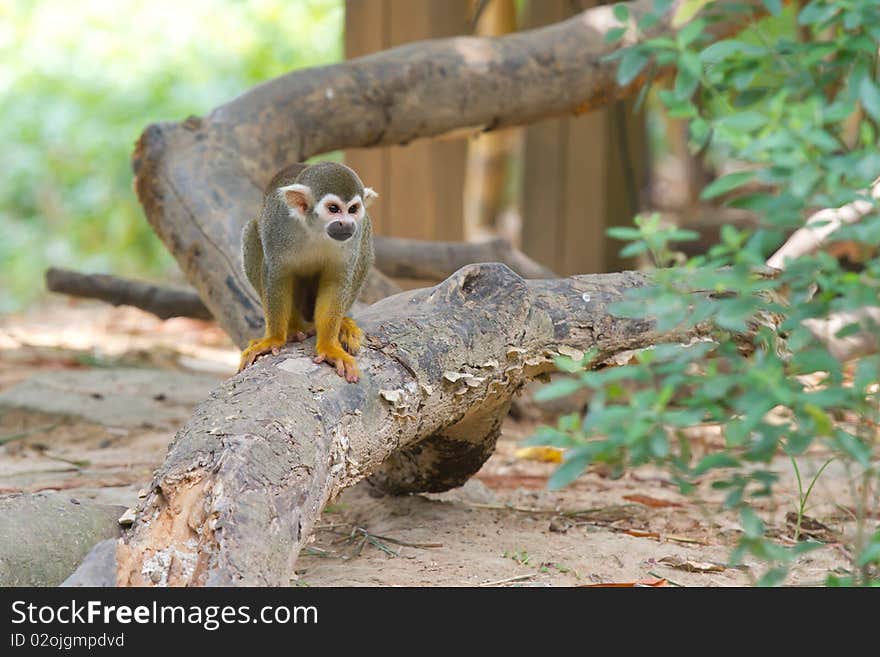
(540, 453)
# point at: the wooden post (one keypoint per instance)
(421, 184)
(580, 175)
(490, 153)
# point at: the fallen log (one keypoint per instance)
(246, 478)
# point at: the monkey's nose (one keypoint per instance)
(341, 230)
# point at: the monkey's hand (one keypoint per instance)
(345, 365)
(260, 347)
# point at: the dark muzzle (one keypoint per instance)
(341, 230)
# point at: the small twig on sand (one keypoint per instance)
(518, 578)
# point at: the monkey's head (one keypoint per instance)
(329, 197)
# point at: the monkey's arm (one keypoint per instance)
(331, 324)
(278, 307)
(350, 335)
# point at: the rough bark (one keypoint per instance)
(246, 478)
(201, 179)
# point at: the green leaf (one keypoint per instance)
(727, 183)
(552, 436)
(576, 461)
(632, 63)
(682, 235)
(687, 10)
(773, 577)
(568, 364)
(751, 523)
(747, 121)
(658, 443)
(678, 109)
(871, 554)
(867, 373)
(615, 34)
(688, 76)
(558, 389)
(633, 249)
(699, 133)
(689, 33)
(773, 6)
(853, 447)
(647, 21)
(717, 460)
(869, 94)
(824, 424)
(817, 12)
(817, 359)
(624, 233)
(727, 48)
(621, 13)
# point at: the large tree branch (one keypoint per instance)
(246, 478)
(200, 180)
(435, 261)
(164, 301)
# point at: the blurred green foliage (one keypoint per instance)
(795, 100)
(81, 80)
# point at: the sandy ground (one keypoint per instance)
(90, 396)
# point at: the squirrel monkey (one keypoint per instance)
(307, 256)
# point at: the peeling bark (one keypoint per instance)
(246, 478)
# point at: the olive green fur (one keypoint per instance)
(279, 245)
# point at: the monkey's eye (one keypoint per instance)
(354, 208)
(333, 208)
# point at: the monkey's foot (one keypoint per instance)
(350, 335)
(260, 347)
(345, 365)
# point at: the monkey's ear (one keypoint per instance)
(370, 195)
(298, 197)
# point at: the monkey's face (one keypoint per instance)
(330, 199)
(340, 218)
